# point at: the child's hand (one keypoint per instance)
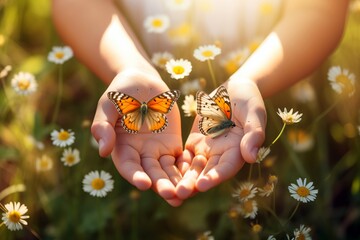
(144, 159)
(206, 162)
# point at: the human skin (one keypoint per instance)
(103, 40)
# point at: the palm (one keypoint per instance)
(148, 159)
(144, 159)
(210, 161)
(207, 162)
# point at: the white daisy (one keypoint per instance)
(24, 83)
(189, 107)
(248, 209)
(266, 190)
(289, 117)
(59, 55)
(98, 184)
(159, 59)
(262, 154)
(179, 68)
(303, 233)
(192, 86)
(205, 236)
(44, 163)
(178, 5)
(181, 34)
(341, 80)
(70, 157)
(206, 52)
(300, 140)
(13, 217)
(303, 192)
(62, 138)
(5, 71)
(245, 191)
(303, 92)
(271, 237)
(233, 60)
(157, 23)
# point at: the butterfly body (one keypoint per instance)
(215, 112)
(134, 113)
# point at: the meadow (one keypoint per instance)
(317, 152)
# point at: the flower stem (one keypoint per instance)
(212, 73)
(278, 136)
(324, 113)
(293, 213)
(250, 172)
(59, 96)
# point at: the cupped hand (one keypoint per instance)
(144, 159)
(207, 162)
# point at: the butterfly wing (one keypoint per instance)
(207, 107)
(222, 99)
(213, 127)
(129, 107)
(164, 102)
(123, 102)
(158, 107)
(132, 121)
(215, 112)
(156, 121)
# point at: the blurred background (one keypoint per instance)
(324, 148)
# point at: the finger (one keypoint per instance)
(167, 163)
(103, 126)
(161, 182)
(175, 202)
(254, 135)
(184, 161)
(186, 187)
(229, 164)
(254, 131)
(127, 162)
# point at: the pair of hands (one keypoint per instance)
(158, 161)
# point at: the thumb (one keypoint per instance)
(103, 126)
(254, 133)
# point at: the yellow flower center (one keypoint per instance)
(268, 187)
(207, 53)
(266, 8)
(298, 136)
(23, 84)
(59, 55)
(345, 82)
(248, 206)
(97, 183)
(157, 23)
(14, 216)
(256, 228)
(300, 237)
(303, 192)
(178, 69)
(181, 31)
(44, 163)
(70, 159)
(231, 66)
(163, 61)
(244, 193)
(63, 135)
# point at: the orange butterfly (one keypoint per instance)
(215, 112)
(135, 113)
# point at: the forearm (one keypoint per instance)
(99, 36)
(308, 32)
